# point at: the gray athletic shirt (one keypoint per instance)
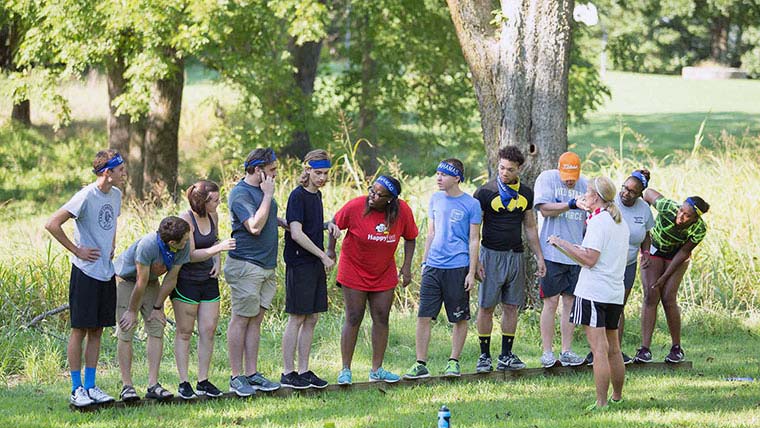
(95, 216)
(639, 219)
(145, 251)
(570, 224)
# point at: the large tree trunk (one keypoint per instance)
(22, 112)
(367, 128)
(305, 61)
(10, 38)
(161, 137)
(719, 39)
(520, 77)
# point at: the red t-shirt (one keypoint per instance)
(367, 261)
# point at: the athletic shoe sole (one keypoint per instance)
(483, 370)
(241, 394)
(452, 374)
(299, 387)
(556, 363)
(669, 361)
(311, 385)
(572, 364)
(187, 398)
(509, 369)
(413, 377)
(204, 393)
(384, 380)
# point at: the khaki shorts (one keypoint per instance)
(251, 287)
(124, 290)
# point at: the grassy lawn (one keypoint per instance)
(667, 111)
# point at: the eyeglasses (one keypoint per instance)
(623, 188)
(374, 193)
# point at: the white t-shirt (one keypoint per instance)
(603, 283)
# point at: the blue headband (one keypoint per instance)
(386, 182)
(450, 169)
(111, 164)
(694, 205)
(257, 162)
(319, 164)
(639, 176)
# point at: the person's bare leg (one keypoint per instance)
(184, 315)
(236, 342)
(252, 339)
(566, 327)
(208, 319)
(616, 365)
(621, 323)
(670, 303)
(649, 276)
(124, 352)
(422, 337)
(597, 340)
(354, 302)
(379, 309)
(155, 350)
(290, 341)
(547, 322)
(305, 339)
(74, 348)
(458, 338)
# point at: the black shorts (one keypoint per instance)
(559, 279)
(305, 288)
(595, 314)
(630, 275)
(444, 286)
(655, 252)
(194, 292)
(92, 303)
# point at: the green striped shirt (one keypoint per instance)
(666, 237)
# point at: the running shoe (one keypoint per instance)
(571, 359)
(626, 359)
(98, 396)
(240, 386)
(314, 380)
(417, 371)
(294, 381)
(79, 397)
(509, 362)
(484, 364)
(452, 369)
(548, 360)
(344, 377)
(676, 355)
(382, 375)
(643, 355)
(185, 391)
(208, 389)
(259, 382)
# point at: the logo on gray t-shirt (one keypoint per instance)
(106, 217)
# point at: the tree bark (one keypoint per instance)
(161, 137)
(22, 112)
(305, 61)
(519, 75)
(10, 38)
(367, 111)
(719, 26)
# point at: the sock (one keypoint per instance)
(485, 344)
(506, 343)
(76, 379)
(424, 363)
(89, 377)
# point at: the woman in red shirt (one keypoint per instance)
(367, 269)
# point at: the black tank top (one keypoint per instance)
(199, 271)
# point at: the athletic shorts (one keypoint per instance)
(655, 252)
(194, 292)
(124, 290)
(559, 279)
(595, 314)
(505, 278)
(630, 275)
(251, 287)
(305, 288)
(444, 286)
(92, 303)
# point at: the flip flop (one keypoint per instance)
(158, 392)
(128, 394)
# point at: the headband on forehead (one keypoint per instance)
(693, 204)
(319, 164)
(639, 176)
(257, 162)
(386, 182)
(111, 164)
(450, 169)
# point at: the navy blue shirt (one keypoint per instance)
(260, 249)
(306, 208)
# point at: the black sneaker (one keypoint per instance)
(590, 359)
(185, 391)
(643, 355)
(626, 359)
(314, 380)
(293, 380)
(208, 389)
(676, 355)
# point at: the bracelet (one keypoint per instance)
(571, 204)
(158, 308)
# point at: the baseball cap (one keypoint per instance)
(569, 166)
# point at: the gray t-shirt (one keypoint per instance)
(570, 224)
(260, 249)
(95, 216)
(145, 251)
(639, 219)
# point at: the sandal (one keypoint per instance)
(157, 392)
(128, 394)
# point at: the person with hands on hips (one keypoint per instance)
(137, 271)
(367, 274)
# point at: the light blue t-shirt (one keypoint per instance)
(570, 224)
(260, 249)
(145, 251)
(639, 219)
(452, 217)
(95, 216)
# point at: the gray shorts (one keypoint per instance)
(630, 275)
(559, 279)
(444, 286)
(505, 278)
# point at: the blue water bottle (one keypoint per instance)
(444, 417)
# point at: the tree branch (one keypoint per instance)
(44, 315)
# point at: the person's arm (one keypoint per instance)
(473, 250)
(129, 318)
(406, 268)
(531, 235)
(651, 196)
(255, 224)
(167, 285)
(429, 239)
(296, 232)
(54, 225)
(113, 244)
(681, 256)
(646, 244)
(587, 257)
(553, 209)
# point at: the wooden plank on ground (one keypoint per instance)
(495, 376)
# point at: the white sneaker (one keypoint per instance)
(570, 358)
(80, 398)
(98, 396)
(548, 360)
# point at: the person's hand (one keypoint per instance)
(214, 272)
(406, 274)
(267, 185)
(659, 283)
(158, 315)
(331, 254)
(283, 223)
(469, 281)
(128, 320)
(333, 230)
(582, 204)
(645, 260)
(554, 240)
(481, 272)
(87, 253)
(328, 262)
(540, 268)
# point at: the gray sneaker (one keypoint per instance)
(259, 382)
(240, 386)
(484, 364)
(509, 362)
(79, 398)
(98, 396)
(548, 360)
(570, 358)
